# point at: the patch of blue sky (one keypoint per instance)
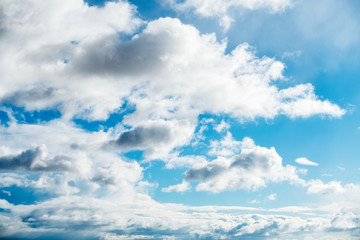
(113, 119)
(152, 9)
(133, 155)
(4, 118)
(24, 116)
(204, 133)
(98, 3)
(23, 195)
(147, 9)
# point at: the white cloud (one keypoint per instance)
(186, 161)
(319, 187)
(106, 216)
(272, 197)
(185, 73)
(84, 166)
(225, 147)
(182, 187)
(39, 36)
(305, 161)
(223, 126)
(253, 168)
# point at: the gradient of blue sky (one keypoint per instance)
(91, 121)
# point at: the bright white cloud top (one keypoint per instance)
(169, 92)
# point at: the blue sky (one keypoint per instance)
(179, 119)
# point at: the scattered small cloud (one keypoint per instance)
(272, 197)
(223, 126)
(305, 161)
(7, 192)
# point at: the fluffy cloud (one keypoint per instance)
(319, 187)
(253, 168)
(225, 147)
(35, 159)
(72, 162)
(49, 36)
(168, 71)
(157, 139)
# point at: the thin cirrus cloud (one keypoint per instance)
(181, 187)
(223, 10)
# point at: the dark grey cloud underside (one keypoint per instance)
(104, 179)
(26, 159)
(23, 160)
(33, 95)
(109, 55)
(142, 137)
(245, 161)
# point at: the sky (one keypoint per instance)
(213, 119)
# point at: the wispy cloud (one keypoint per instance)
(305, 161)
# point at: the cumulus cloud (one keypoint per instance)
(141, 137)
(319, 187)
(157, 139)
(168, 71)
(305, 161)
(34, 73)
(253, 168)
(60, 167)
(35, 159)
